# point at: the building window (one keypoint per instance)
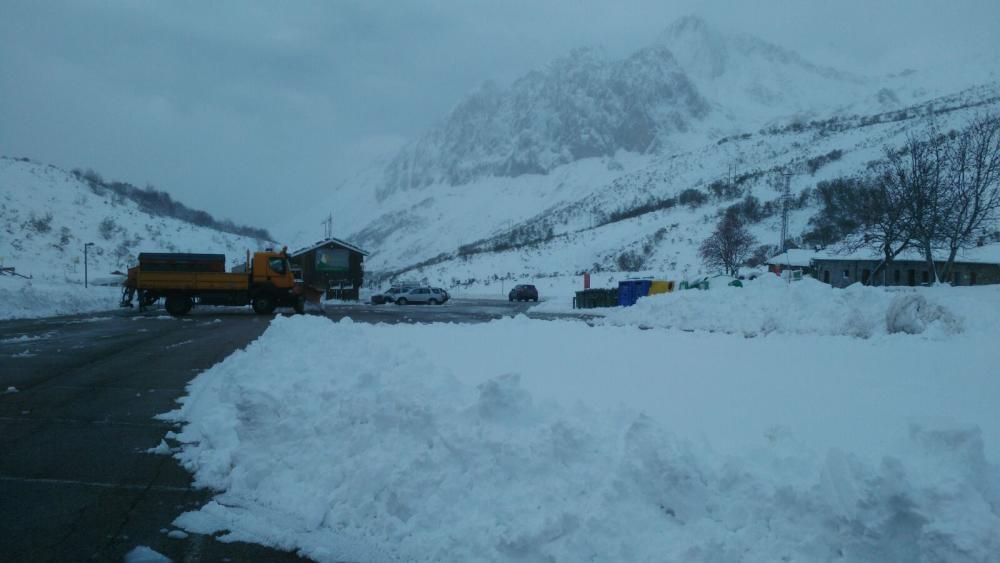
(847, 273)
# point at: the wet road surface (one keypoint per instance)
(78, 397)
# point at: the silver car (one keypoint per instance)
(431, 296)
(390, 295)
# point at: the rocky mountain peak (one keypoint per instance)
(581, 105)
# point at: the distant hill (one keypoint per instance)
(47, 215)
(160, 204)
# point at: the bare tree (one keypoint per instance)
(917, 172)
(936, 192)
(729, 246)
(973, 186)
(880, 205)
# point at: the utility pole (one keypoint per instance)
(85, 268)
(328, 226)
(785, 197)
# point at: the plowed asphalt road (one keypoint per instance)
(76, 482)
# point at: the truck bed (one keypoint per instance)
(181, 262)
(192, 281)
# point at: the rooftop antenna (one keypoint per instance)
(327, 226)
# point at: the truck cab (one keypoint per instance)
(272, 269)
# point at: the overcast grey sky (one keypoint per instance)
(252, 110)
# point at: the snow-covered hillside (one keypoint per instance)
(48, 215)
(546, 178)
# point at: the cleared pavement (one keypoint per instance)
(78, 397)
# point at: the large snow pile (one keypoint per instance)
(769, 305)
(523, 440)
(21, 298)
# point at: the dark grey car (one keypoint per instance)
(524, 292)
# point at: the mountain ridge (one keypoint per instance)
(586, 104)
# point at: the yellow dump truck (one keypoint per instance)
(186, 280)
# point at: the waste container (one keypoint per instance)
(660, 286)
(697, 283)
(629, 291)
(592, 298)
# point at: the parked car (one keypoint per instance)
(420, 295)
(444, 294)
(523, 293)
(390, 295)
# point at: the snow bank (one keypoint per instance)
(769, 305)
(535, 441)
(145, 554)
(21, 299)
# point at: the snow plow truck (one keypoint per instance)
(185, 280)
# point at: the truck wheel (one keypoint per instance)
(263, 304)
(178, 305)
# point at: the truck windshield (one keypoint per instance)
(277, 264)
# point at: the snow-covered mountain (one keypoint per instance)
(608, 165)
(48, 214)
(694, 78)
(750, 81)
(581, 106)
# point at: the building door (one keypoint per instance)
(826, 276)
(911, 278)
(866, 275)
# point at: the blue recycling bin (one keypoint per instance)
(629, 291)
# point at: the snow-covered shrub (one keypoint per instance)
(692, 198)
(40, 224)
(107, 228)
(912, 314)
(64, 236)
(630, 261)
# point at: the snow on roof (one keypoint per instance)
(327, 241)
(795, 257)
(986, 254)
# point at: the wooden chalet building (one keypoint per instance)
(333, 266)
